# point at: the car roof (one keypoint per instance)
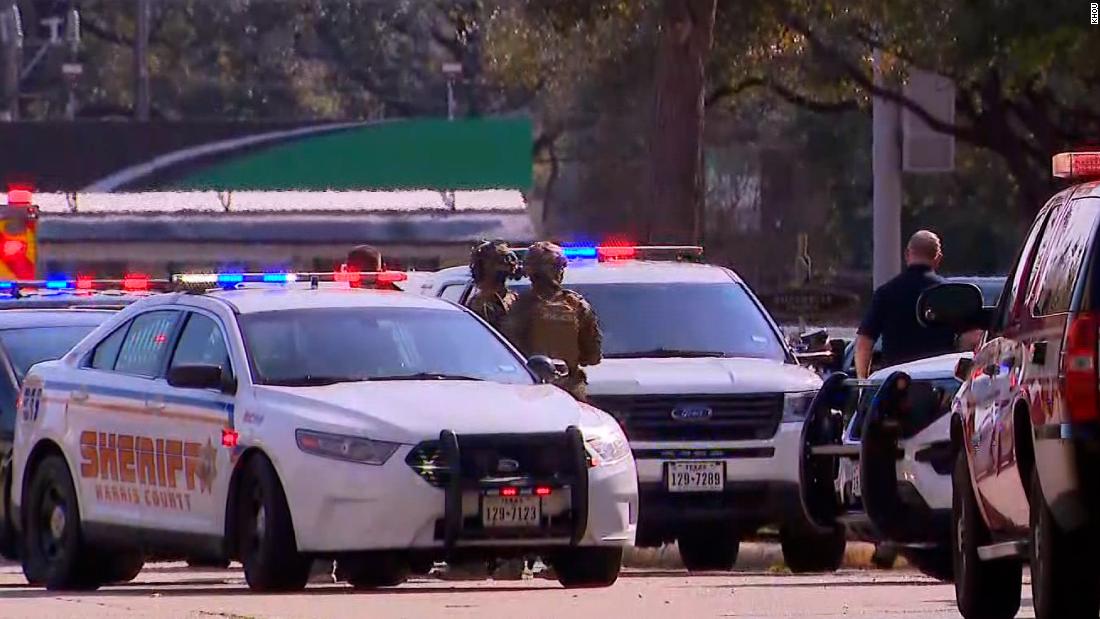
(65, 300)
(942, 366)
(624, 272)
(280, 298)
(31, 318)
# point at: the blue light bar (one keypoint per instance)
(230, 278)
(58, 284)
(579, 252)
(277, 278)
(7, 285)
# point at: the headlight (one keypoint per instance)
(606, 448)
(797, 405)
(340, 447)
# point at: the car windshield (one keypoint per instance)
(680, 320)
(26, 347)
(322, 346)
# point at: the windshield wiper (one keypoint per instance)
(666, 352)
(314, 381)
(426, 376)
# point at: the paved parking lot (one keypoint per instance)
(172, 590)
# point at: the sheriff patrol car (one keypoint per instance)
(708, 393)
(285, 421)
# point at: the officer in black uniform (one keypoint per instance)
(893, 311)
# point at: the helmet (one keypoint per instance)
(493, 258)
(545, 259)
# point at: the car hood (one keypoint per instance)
(709, 376)
(942, 366)
(412, 411)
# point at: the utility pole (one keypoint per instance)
(453, 71)
(886, 171)
(11, 61)
(141, 62)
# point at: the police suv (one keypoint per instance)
(273, 422)
(708, 393)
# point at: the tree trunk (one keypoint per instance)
(674, 210)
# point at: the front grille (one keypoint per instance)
(732, 417)
(538, 458)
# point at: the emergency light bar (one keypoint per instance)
(229, 281)
(1081, 165)
(131, 282)
(611, 253)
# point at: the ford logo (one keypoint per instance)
(692, 412)
(507, 465)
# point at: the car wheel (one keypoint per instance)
(267, 547)
(122, 567)
(579, 568)
(885, 556)
(1063, 575)
(374, 569)
(935, 562)
(709, 548)
(54, 552)
(983, 589)
(806, 551)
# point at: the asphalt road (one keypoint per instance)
(172, 590)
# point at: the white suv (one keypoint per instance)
(709, 395)
(277, 425)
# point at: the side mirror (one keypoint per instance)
(956, 306)
(200, 376)
(543, 368)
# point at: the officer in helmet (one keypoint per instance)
(492, 263)
(550, 320)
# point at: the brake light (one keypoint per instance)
(1077, 165)
(230, 437)
(542, 491)
(1079, 369)
(509, 491)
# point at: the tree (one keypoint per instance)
(1026, 77)
(675, 204)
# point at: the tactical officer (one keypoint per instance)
(492, 263)
(549, 320)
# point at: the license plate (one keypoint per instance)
(511, 511)
(696, 476)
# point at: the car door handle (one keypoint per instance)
(79, 396)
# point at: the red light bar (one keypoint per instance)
(509, 491)
(230, 437)
(543, 491)
(132, 282)
(20, 195)
(1077, 165)
(84, 282)
(616, 252)
(390, 277)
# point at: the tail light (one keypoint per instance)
(1080, 382)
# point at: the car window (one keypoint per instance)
(453, 292)
(9, 395)
(26, 347)
(201, 343)
(103, 358)
(1061, 258)
(146, 344)
(1010, 300)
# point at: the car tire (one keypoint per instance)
(588, 568)
(983, 589)
(54, 552)
(373, 570)
(807, 552)
(122, 567)
(885, 556)
(1063, 574)
(936, 562)
(709, 548)
(265, 532)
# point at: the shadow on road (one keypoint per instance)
(212, 588)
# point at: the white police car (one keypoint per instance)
(289, 422)
(887, 476)
(708, 393)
